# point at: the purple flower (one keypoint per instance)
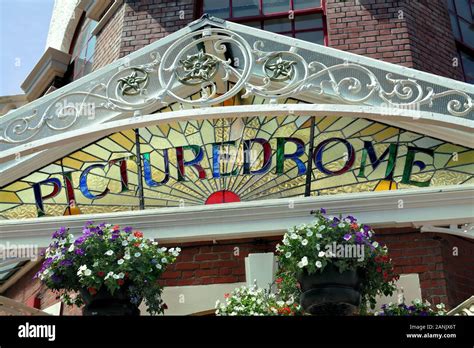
(86, 231)
(81, 240)
(359, 237)
(322, 210)
(78, 251)
(347, 237)
(115, 235)
(351, 219)
(55, 278)
(66, 263)
(60, 233)
(366, 229)
(128, 229)
(335, 222)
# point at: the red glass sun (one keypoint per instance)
(223, 196)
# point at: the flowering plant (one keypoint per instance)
(106, 256)
(343, 243)
(417, 308)
(256, 301)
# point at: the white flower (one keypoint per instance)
(154, 243)
(137, 254)
(288, 254)
(319, 235)
(280, 303)
(109, 253)
(318, 247)
(71, 248)
(121, 261)
(87, 272)
(304, 242)
(124, 243)
(322, 227)
(121, 275)
(375, 244)
(163, 249)
(164, 260)
(294, 236)
(115, 276)
(321, 254)
(126, 256)
(286, 241)
(309, 233)
(95, 264)
(110, 274)
(341, 225)
(303, 262)
(318, 264)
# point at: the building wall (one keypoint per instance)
(416, 34)
(444, 276)
(148, 21)
(109, 40)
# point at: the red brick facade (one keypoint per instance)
(444, 276)
(416, 34)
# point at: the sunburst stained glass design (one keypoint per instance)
(172, 153)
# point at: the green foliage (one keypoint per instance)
(106, 256)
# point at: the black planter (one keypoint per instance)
(330, 292)
(104, 303)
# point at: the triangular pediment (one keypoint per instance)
(203, 66)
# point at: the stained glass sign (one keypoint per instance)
(235, 159)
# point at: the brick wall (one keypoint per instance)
(148, 21)
(207, 263)
(109, 40)
(444, 277)
(411, 33)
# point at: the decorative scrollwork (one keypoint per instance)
(198, 68)
(269, 74)
(134, 83)
(279, 69)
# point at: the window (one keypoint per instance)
(461, 13)
(302, 19)
(82, 48)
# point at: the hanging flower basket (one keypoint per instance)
(103, 302)
(339, 266)
(330, 292)
(110, 269)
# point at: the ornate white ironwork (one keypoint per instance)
(465, 230)
(269, 74)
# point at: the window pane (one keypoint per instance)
(272, 6)
(217, 8)
(467, 33)
(253, 24)
(312, 36)
(468, 65)
(309, 21)
(90, 48)
(277, 25)
(451, 5)
(464, 9)
(454, 26)
(244, 8)
(302, 4)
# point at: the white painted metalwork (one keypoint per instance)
(260, 63)
(427, 206)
